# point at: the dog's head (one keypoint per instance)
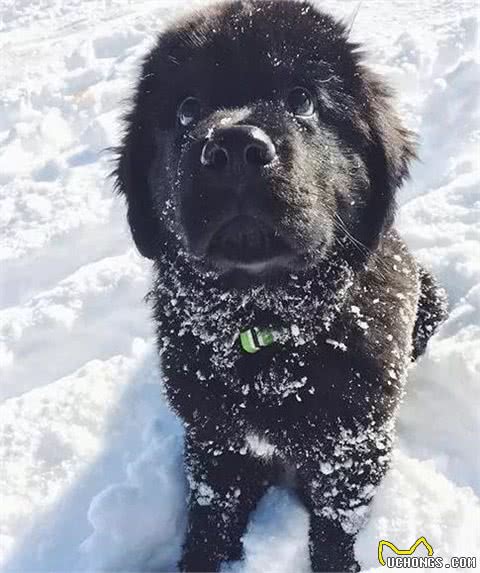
(259, 142)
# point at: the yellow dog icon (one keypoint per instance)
(411, 551)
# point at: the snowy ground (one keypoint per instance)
(91, 474)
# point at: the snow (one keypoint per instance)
(92, 474)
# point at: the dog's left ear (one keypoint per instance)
(391, 150)
(133, 164)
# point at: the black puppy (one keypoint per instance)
(260, 164)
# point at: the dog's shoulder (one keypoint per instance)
(382, 308)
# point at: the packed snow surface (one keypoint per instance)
(91, 457)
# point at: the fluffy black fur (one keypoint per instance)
(259, 211)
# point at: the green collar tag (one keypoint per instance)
(254, 339)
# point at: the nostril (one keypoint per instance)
(254, 155)
(214, 156)
(220, 158)
(259, 153)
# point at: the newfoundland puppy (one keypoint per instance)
(259, 164)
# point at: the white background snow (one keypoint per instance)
(91, 473)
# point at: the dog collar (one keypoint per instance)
(254, 339)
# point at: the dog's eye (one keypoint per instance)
(300, 102)
(188, 111)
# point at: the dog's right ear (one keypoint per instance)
(133, 163)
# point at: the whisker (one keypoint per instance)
(354, 240)
(354, 17)
(363, 249)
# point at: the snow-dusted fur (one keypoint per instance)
(323, 403)
(319, 406)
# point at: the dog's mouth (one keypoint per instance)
(249, 243)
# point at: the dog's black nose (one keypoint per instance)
(240, 145)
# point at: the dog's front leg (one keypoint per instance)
(337, 486)
(331, 548)
(225, 487)
(331, 540)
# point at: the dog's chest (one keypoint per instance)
(274, 375)
(259, 446)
